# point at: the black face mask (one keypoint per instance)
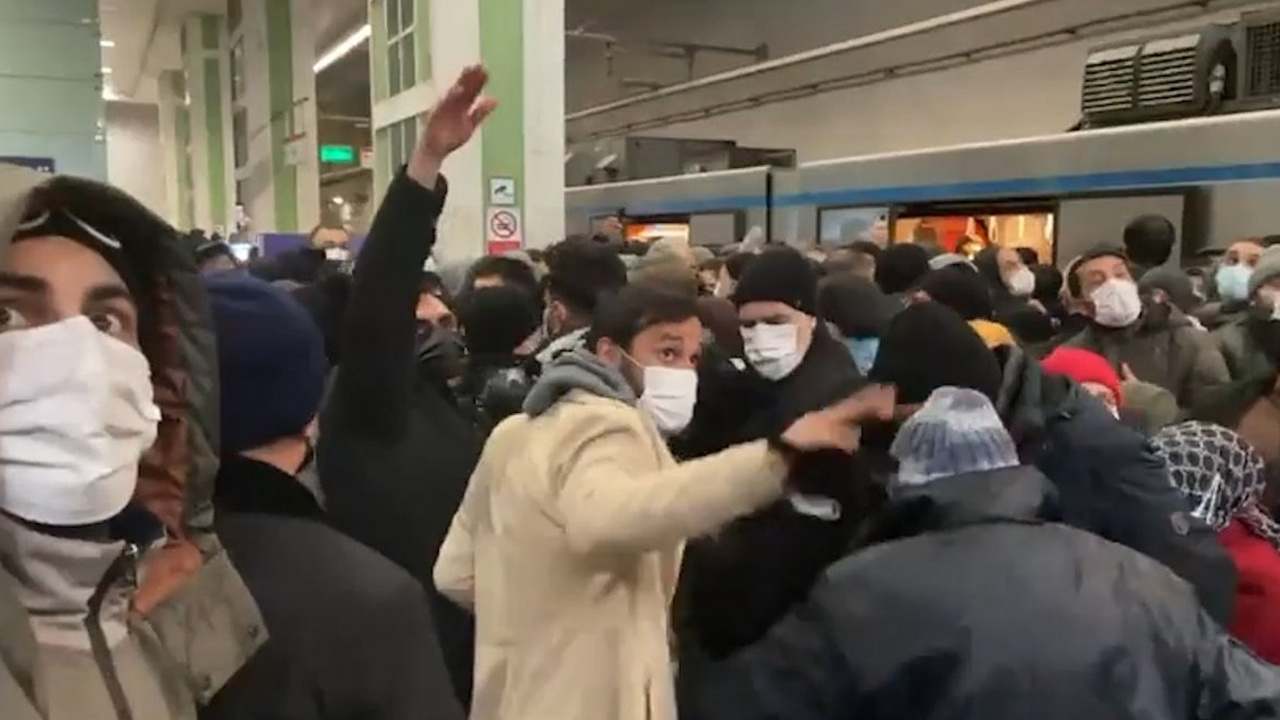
(441, 354)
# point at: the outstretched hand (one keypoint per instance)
(836, 427)
(450, 124)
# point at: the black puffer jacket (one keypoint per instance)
(973, 606)
(1109, 481)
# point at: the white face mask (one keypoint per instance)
(772, 349)
(1116, 303)
(1022, 282)
(669, 397)
(76, 414)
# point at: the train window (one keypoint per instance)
(841, 226)
(967, 230)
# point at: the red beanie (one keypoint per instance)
(1084, 366)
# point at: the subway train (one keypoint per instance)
(1215, 178)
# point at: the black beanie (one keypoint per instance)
(779, 274)
(900, 266)
(855, 306)
(497, 319)
(961, 289)
(929, 346)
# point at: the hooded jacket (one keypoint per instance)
(567, 546)
(395, 449)
(1108, 480)
(154, 623)
(1244, 345)
(1162, 347)
(971, 603)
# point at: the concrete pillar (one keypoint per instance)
(203, 41)
(51, 106)
(175, 147)
(514, 168)
(279, 179)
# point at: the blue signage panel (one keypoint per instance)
(43, 164)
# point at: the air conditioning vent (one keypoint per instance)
(1158, 79)
(1262, 59)
(1108, 80)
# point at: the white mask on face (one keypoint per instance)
(1022, 282)
(669, 397)
(1116, 303)
(76, 414)
(772, 349)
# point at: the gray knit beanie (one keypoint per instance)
(1268, 269)
(956, 432)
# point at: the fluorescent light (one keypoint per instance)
(338, 200)
(106, 71)
(107, 43)
(344, 46)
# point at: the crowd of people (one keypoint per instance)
(618, 481)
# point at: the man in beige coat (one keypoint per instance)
(567, 544)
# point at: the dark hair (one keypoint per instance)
(581, 271)
(510, 270)
(735, 264)
(1028, 256)
(1149, 239)
(636, 308)
(432, 284)
(537, 255)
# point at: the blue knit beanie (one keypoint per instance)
(271, 361)
(956, 432)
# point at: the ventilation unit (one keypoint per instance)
(1159, 79)
(1259, 43)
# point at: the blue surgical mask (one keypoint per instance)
(1233, 281)
(863, 351)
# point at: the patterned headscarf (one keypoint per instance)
(1220, 473)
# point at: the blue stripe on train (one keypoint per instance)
(1013, 187)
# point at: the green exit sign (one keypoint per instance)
(344, 154)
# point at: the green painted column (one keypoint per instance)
(278, 177)
(507, 186)
(203, 42)
(175, 141)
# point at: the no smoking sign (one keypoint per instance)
(503, 227)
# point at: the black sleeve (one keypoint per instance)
(740, 582)
(373, 387)
(796, 672)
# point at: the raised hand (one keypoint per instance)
(450, 124)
